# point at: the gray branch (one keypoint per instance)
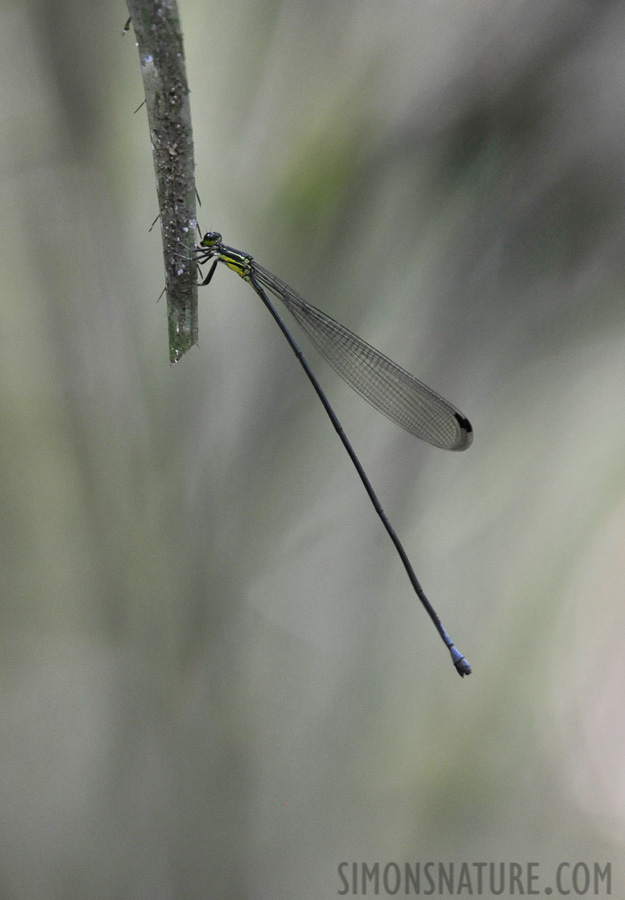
(159, 38)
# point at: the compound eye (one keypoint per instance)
(210, 239)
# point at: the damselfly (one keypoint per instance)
(384, 384)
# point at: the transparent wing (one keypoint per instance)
(385, 385)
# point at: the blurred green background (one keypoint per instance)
(215, 679)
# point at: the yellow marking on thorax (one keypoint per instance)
(239, 264)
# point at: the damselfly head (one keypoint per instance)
(210, 239)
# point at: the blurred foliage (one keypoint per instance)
(230, 694)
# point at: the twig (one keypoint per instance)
(159, 38)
